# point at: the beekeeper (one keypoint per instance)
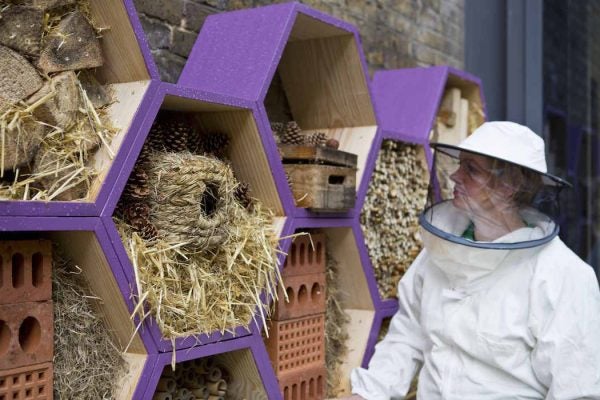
(495, 306)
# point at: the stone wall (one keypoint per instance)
(395, 33)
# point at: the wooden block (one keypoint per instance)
(296, 344)
(448, 113)
(323, 188)
(21, 29)
(25, 271)
(306, 296)
(72, 45)
(463, 120)
(307, 255)
(18, 78)
(21, 143)
(26, 334)
(59, 111)
(30, 382)
(317, 155)
(307, 384)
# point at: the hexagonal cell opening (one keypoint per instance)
(89, 316)
(230, 375)
(460, 111)
(297, 346)
(186, 204)
(64, 153)
(321, 85)
(389, 217)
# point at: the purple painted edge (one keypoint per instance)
(118, 174)
(52, 224)
(374, 334)
(146, 376)
(26, 208)
(141, 39)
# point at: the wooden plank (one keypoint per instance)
(356, 140)
(246, 153)
(325, 83)
(306, 27)
(322, 188)
(128, 97)
(127, 384)
(317, 154)
(359, 328)
(123, 59)
(245, 382)
(463, 120)
(84, 249)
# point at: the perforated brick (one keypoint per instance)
(297, 343)
(306, 296)
(308, 384)
(304, 257)
(26, 334)
(30, 382)
(26, 271)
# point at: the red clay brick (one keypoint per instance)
(306, 384)
(26, 334)
(25, 271)
(306, 295)
(30, 382)
(303, 258)
(297, 343)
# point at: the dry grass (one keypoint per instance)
(86, 362)
(187, 281)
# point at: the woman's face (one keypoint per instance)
(474, 189)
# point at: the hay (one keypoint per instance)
(336, 330)
(86, 362)
(189, 281)
(60, 170)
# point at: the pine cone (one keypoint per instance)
(292, 134)
(137, 184)
(134, 210)
(155, 137)
(242, 195)
(214, 143)
(277, 128)
(317, 139)
(176, 135)
(144, 227)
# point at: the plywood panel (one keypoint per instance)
(126, 386)
(86, 252)
(246, 153)
(123, 60)
(306, 27)
(245, 381)
(325, 83)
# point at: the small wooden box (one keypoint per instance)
(322, 179)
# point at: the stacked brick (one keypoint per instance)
(26, 320)
(296, 342)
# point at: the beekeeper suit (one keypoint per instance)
(495, 306)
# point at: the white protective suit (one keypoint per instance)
(490, 324)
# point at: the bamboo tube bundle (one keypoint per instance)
(195, 379)
(390, 215)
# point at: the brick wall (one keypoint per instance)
(395, 33)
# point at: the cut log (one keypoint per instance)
(71, 45)
(98, 94)
(21, 29)
(43, 4)
(21, 143)
(61, 109)
(18, 78)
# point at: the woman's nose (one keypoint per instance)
(456, 176)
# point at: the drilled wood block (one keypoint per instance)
(296, 344)
(306, 255)
(30, 382)
(25, 271)
(26, 334)
(322, 188)
(18, 78)
(306, 296)
(307, 384)
(21, 29)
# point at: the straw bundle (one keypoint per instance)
(390, 215)
(86, 362)
(336, 329)
(211, 259)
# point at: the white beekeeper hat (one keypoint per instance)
(510, 142)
